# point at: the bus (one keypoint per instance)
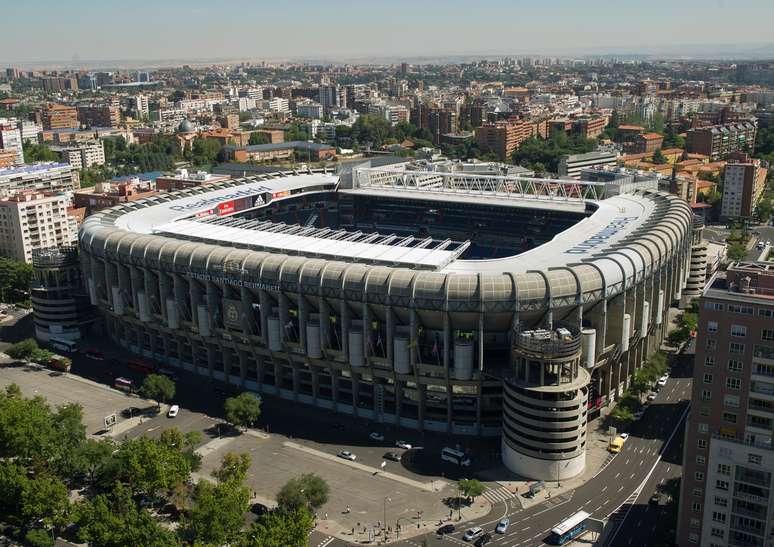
(138, 365)
(63, 344)
(569, 529)
(455, 456)
(124, 384)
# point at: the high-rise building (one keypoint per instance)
(34, 220)
(82, 155)
(743, 184)
(11, 139)
(726, 494)
(55, 84)
(141, 106)
(441, 122)
(59, 116)
(502, 138)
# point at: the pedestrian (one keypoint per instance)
(326, 516)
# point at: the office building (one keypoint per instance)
(502, 138)
(33, 220)
(718, 141)
(59, 116)
(620, 180)
(309, 110)
(743, 184)
(42, 177)
(726, 494)
(109, 194)
(183, 179)
(11, 139)
(572, 165)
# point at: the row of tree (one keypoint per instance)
(56, 481)
(15, 278)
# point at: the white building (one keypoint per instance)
(11, 139)
(572, 165)
(141, 106)
(82, 155)
(34, 220)
(30, 131)
(42, 177)
(309, 110)
(278, 104)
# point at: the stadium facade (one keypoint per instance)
(460, 303)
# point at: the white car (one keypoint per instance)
(661, 382)
(652, 396)
(624, 436)
(375, 436)
(403, 444)
(347, 455)
(472, 533)
(173, 410)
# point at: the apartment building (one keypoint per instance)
(59, 116)
(572, 165)
(646, 143)
(743, 184)
(99, 115)
(109, 194)
(502, 138)
(726, 493)
(82, 155)
(34, 220)
(42, 177)
(309, 110)
(718, 141)
(11, 139)
(183, 179)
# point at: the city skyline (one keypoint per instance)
(405, 30)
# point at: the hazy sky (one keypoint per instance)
(41, 30)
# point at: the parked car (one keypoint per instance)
(483, 540)
(403, 444)
(95, 354)
(661, 382)
(624, 436)
(130, 412)
(259, 509)
(393, 456)
(173, 411)
(639, 414)
(347, 455)
(652, 396)
(655, 499)
(376, 436)
(445, 529)
(502, 526)
(472, 533)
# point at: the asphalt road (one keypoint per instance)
(619, 490)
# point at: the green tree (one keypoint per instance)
(658, 157)
(13, 481)
(13, 391)
(242, 410)
(233, 467)
(15, 278)
(279, 529)
(763, 210)
(37, 152)
(70, 434)
(93, 456)
(150, 466)
(258, 138)
(158, 387)
(26, 428)
(622, 414)
(217, 515)
(470, 488)
(23, 350)
(38, 537)
(45, 498)
(308, 490)
(737, 251)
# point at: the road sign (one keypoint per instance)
(110, 421)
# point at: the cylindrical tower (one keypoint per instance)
(60, 305)
(545, 404)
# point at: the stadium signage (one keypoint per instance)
(615, 226)
(235, 281)
(202, 203)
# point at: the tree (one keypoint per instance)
(38, 537)
(23, 350)
(150, 466)
(658, 157)
(308, 490)
(26, 429)
(622, 414)
(37, 152)
(93, 457)
(737, 251)
(13, 481)
(45, 498)
(470, 488)
(763, 210)
(13, 391)
(158, 387)
(70, 434)
(233, 467)
(279, 529)
(257, 137)
(15, 278)
(242, 410)
(217, 515)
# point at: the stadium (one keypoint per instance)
(462, 303)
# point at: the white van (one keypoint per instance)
(455, 456)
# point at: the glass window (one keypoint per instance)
(738, 331)
(721, 485)
(696, 507)
(707, 378)
(734, 365)
(733, 383)
(755, 458)
(706, 395)
(701, 444)
(724, 469)
(711, 344)
(735, 347)
(731, 401)
(721, 502)
(712, 326)
(703, 427)
(767, 335)
(709, 361)
(729, 417)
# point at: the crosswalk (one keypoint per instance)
(326, 541)
(497, 495)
